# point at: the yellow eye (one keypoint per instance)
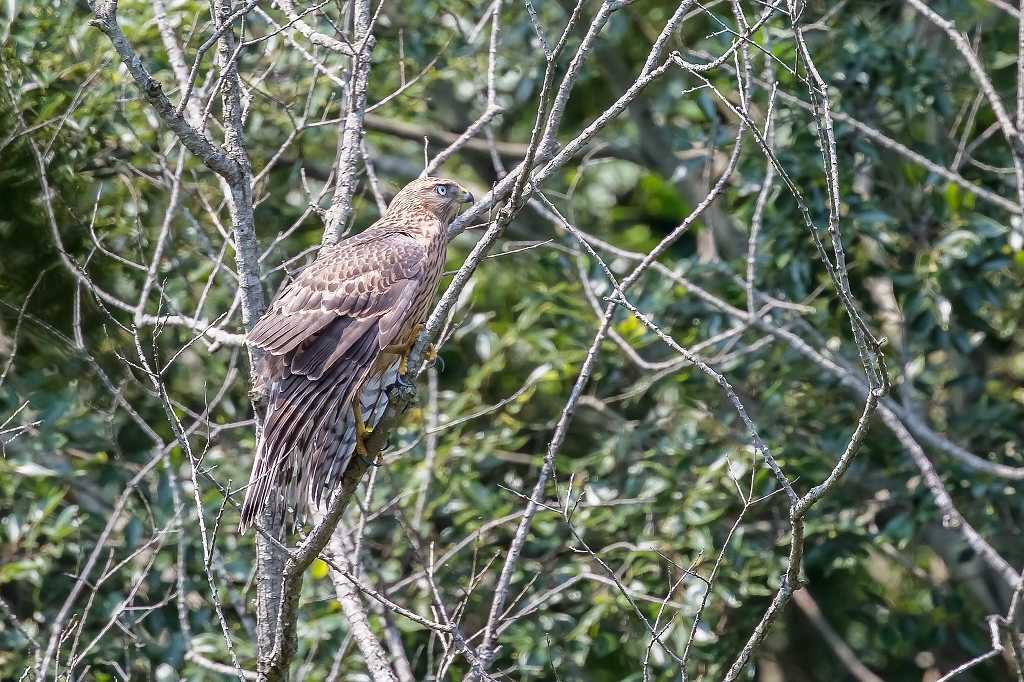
(441, 189)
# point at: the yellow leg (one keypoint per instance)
(403, 350)
(361, 431)
(431, 352)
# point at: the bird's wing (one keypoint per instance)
(367, 277)
(323, 333)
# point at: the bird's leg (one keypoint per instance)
(361, 431)
(403, 350)
(430, 354)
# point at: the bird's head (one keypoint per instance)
(441, 197)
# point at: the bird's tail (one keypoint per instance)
(373, 401)
(309, 435)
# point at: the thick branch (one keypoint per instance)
(355, 611)
(350, 144)
(276, 665)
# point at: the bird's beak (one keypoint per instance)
(467, 197)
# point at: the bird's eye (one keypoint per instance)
(441, 189)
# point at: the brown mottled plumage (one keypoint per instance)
(336, 332)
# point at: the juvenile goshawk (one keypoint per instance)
(335, 338)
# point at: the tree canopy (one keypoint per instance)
(794, 452)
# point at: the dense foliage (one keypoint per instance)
(655, 450)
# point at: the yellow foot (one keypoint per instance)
(402, 350)
(430, 354)
(362, 433)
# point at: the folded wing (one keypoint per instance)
(322, 337)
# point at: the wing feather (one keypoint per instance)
(323, 334)
(320, 353)
(390, 324)
(353, 278)
(284, 333)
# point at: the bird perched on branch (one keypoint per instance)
(336, 337)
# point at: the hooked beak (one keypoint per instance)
(467, 197)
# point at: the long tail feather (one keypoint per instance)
(300, 440)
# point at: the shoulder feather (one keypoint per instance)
(360, 278)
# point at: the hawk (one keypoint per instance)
(336, 337)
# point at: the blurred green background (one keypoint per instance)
(937, 269)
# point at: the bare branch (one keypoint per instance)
(216, 158)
